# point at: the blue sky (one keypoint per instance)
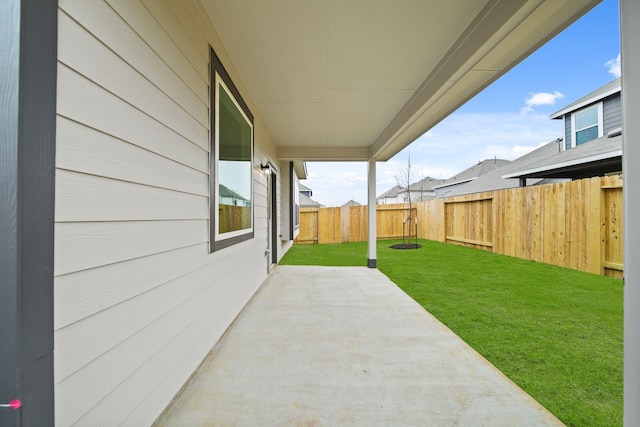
(506, 120)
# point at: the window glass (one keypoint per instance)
(586, 135)
(230, 162)
(587, 118)
(234, 165)
(296, 202)
(586, 125)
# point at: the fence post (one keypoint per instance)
(594, 243)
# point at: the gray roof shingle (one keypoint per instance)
(307, 202)
(393, 192)
(475, 171)
(493, 180)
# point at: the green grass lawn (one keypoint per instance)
(555, 332)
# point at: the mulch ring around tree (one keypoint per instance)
(406, 246)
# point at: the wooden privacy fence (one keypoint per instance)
(231, 218)
(575, 224)
(350, 223)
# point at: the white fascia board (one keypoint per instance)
(571, 108)
(462, 181)
(300, 168)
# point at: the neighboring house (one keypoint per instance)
(592, 146)
(307, 202)
(422, 190)
(597, 157)
(468, 175)
(230, 197)
(119, 271)
(593, 141)
(592, 116)
(351, 203)
(305, 198)
(305, 190)
(391, 196)
(492, 181)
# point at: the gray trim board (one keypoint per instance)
(217, 67)
(273, 184)
(630, 53)
(292, 207)
(28, 52)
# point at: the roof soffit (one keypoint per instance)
(368, 78)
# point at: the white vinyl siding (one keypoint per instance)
(139, 301)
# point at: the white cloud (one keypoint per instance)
(350, 177)
(521, 150)
(334, 184)
(614, 66)
(540, 98)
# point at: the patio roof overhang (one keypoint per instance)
(361, 80)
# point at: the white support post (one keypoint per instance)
(630, 52)
(372, 261)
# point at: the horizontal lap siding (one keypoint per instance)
(139, 301)
(612, 113)
(567, 131)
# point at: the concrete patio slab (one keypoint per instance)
(344, 346)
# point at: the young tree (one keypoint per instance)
(404, 179)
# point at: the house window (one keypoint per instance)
(586, 124)
(296, 202)
(231, 160)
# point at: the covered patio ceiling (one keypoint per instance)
(362, 79)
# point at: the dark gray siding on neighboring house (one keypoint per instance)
(612, 113)
(567, 131)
